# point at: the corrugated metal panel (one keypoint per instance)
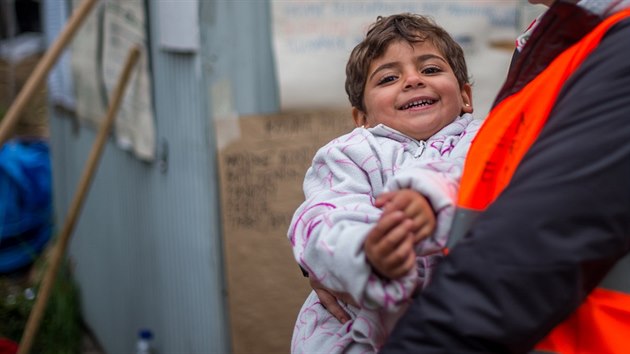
(147, 249)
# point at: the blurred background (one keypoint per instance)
(183, 230)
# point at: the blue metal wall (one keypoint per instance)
(147, 247)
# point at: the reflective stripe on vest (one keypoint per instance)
(602, 323)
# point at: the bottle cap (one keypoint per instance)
(145, 334)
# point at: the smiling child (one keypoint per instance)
(379, 200)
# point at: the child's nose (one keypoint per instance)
(413, 80)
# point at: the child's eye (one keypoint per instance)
(386, 79)
(431, 70)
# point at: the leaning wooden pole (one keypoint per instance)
(41, 70)
(61, 244)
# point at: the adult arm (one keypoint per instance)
(552, 235)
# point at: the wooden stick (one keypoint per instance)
(41, 70)
(62, 242)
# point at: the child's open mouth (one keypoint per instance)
(418, 103)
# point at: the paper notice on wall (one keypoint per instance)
(313, 39)
(124, 26)
(89, 92)
(99, 51)
(178, 25)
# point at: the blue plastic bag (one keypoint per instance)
(25, 203)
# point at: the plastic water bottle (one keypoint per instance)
(144, 344)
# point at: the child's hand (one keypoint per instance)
(389, 246)
(415, 207)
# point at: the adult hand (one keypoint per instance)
(329, 300)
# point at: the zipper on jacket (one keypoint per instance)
(420, 149)
(420, 144)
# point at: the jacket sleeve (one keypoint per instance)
(438, 179)
(328, 230)
(550, 237)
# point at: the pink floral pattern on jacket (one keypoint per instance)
(328, 230)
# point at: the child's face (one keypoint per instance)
(412, 89)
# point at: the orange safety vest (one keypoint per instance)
(507, 134)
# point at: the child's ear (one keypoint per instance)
(360, 119)
(467, 99)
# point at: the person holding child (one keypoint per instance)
(380, 199)
(543, 257)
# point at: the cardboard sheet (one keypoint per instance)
(261, 175)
